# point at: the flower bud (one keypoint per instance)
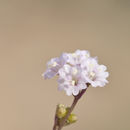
(72, 118)
(61, 111)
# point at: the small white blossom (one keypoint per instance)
(94, 73)
(78, 57)
(70, 80)
(54, 65)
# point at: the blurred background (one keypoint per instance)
(33, 31)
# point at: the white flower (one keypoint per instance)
(75, 71)
(70, 80)
(94, 73)
(54, 65)
(78, 57)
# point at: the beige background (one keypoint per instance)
(33, 31)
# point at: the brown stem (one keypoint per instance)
(69, 112)
(76, 98)
(55, 127)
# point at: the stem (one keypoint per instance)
(55, 125)
(58, 126)
(69, 112)
(75, 101)
(55, 121)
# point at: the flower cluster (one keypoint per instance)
(75, 71)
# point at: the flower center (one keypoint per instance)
(54, 64)
(87, 55)
(74, 82)
(74, 55)
(92, 75)
(75, 71)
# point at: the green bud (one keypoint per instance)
(61, 111)
(72, 118)
(67, 109)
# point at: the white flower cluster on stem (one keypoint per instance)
(75, 71)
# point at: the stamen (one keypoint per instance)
(92, 75)
(53, 64)
(87, 55)
(74, 55)
(75, 71)
(73, 82)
